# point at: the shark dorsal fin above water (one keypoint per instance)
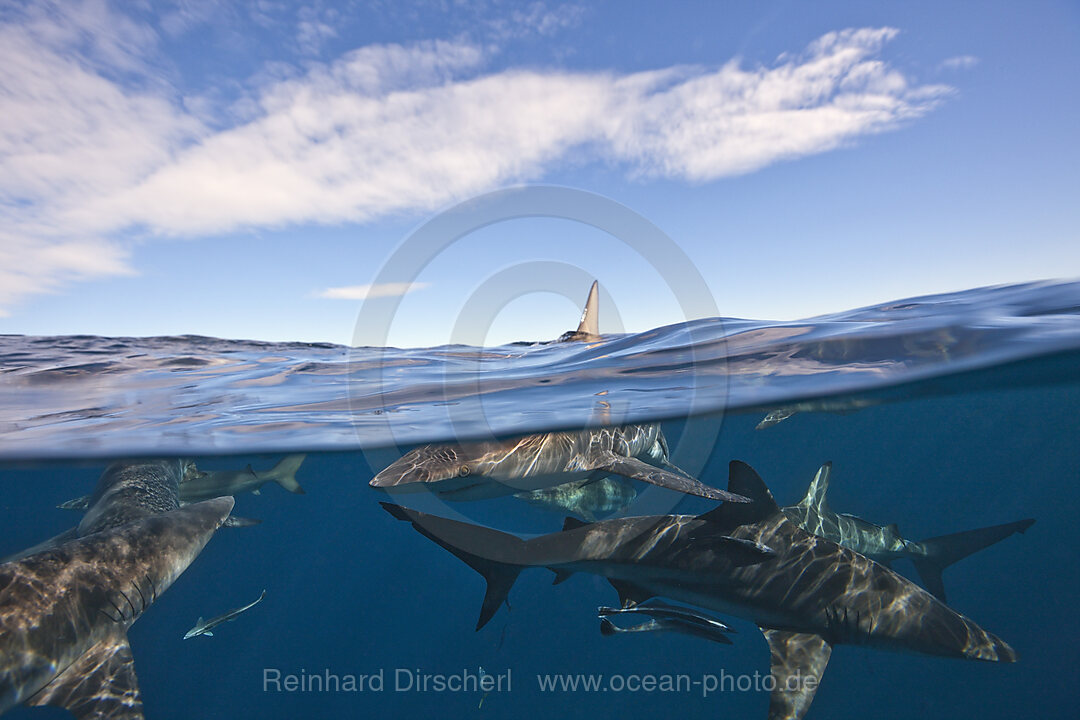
(100, 684)
(590, 314)
(744, 481)
(797, 661)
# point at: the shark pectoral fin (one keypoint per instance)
(572, 523)
(640, 470)
(797, 662)
(100, 685)
(256, 492)
(208, 634)
(629, 594)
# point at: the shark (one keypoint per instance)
(196, 485)
(807, 594)
(482, 470)
(665, 618)
(584, 498)
(885, 544)
(202, 485)
(126, 491)
(588, 329)
(205, 627)
(65, 611)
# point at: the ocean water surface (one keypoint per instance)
(940, 414)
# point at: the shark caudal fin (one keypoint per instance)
(489, 552)
(590, 314)
(284, 473)
(797, 661)
(815, 494)
(945, 550)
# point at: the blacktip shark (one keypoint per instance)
(588, 329)
(665, 618)
(205, 627)
(884, 543)
(125, 491)
(806, 593)
(584, 498)
(476, 471)
(65, 610)
(196, 485)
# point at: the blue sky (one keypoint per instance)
(245, 170)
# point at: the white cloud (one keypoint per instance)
(364, 292)
(960, 62)
(86, 157)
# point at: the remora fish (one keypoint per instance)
(884, 543)
(583, 498)
(806, 594)
(475, 471)
(65, 611)
(204, 627)
(665, 618)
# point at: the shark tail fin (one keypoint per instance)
(815, 494)
(945, 550)
(100, 684)
(284, 473)
(590, 314)
(607, 628)
(486, 551)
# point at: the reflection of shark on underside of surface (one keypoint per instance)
(65, 610)
(884, 543)
(805, 592)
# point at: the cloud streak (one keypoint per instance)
(89, 159)
(366, 292)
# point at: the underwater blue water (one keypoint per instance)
(940, 414)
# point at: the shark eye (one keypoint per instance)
(463, 471)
